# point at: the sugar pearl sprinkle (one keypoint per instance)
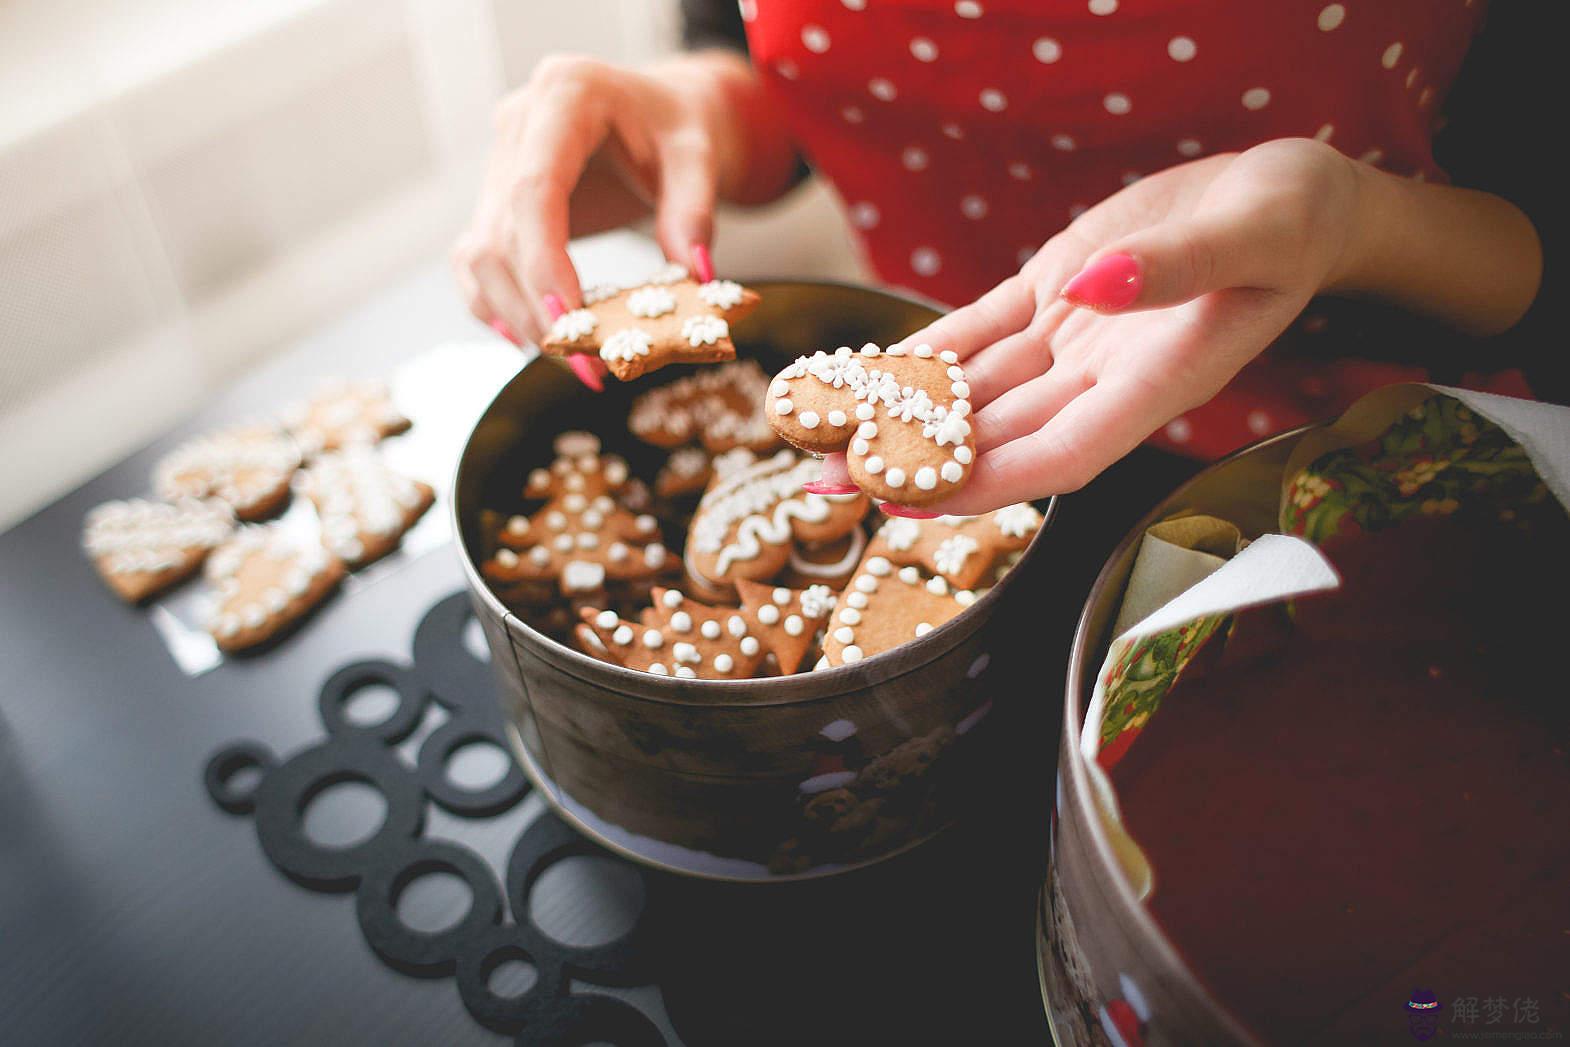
(946, 426)
(849, 615)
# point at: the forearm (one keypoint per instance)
(1470, 259)
(755, 155)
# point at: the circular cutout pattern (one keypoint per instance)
(342, 688)
(226, 773)
(406, 947)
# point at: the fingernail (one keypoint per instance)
(702, 264)
(890, 509)
(554, 305)
(501, 328)
(583, 366)
(823, 487)
(1109, 284)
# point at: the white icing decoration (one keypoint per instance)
(900, 534)
(953, 472)
(768, 614)
(850, 654)
(857, 600)
(650, 302)
(926, 478)
(850, 616)
(801, 565)
(845, 634)
(749, 645)
(669, 273)
(783, 405)
(653, 639)
(895, 477)
(685, 672)
(794, 625)
(923, 628)
(1018, 520)
(963, 455)
(879, 566)
(737, 626)
(681, 622)
(709, 630)
(606, 619)
(724, 663)
(704, 330)
(581, 576)
(873, 465)
(909, 575)
(817, 601)
(866, 584)
(953, 551)
(808, 419)
(759, 503)
(721, 294)
(626, 344)
(837, 418)
(671, 598)
(622, 635)
(573, 326)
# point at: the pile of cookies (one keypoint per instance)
(215, 489)
(771, 579)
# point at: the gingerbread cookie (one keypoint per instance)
(787, 620)
(901, 415)
(640, 329)
(884, 607)
(249, 467)
(266, 581)
(825, 563)
(365, 505)
(716, 643)
(579, 468)
(747, 521)
(720, 407)
(965, 550)
(686, 471)
(141, 547)
(343, 414)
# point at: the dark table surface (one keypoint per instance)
(132, 910)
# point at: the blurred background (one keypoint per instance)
(187, 185)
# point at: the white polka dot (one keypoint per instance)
(1324, 133)
(1181, 49)
(815, 38)
(883, 90)
(1391, 56)
(749, 9)
(1064, 143)
(1019, 172)
(967, 9)
(786, 68)
(973, 207)
(864, 215)
(1331, 16)
(1117, 103)
(924, 50)
(853, 114)
(1179, 430)
(1103, 7)
(954, 131)
(1256, 98)
(1426, 96)
(1258, 423)
(925, 261)
(914, 158)
(1047, 50)
(1411, 77)
(1373, 156)
(1130, 177)
(855, 5)
(1189, 147)
(992, 100)
(1025, 255)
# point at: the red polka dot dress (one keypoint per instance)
(962, 135)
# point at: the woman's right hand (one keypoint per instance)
(587, 146)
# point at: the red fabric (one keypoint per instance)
(962, 135)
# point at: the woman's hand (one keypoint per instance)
(586, 146)
(1148, 304)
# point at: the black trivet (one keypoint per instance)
(379, 868)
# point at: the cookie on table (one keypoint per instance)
(249, 467)
(711, 643)
(965, 550)
(825, 563)
(344, 414)
(901, 415)
(786, 620)
(266, 581)
(142, 547)
(718, 407)
(671, 319)
(365, 505)
(748, 521)
(884, 607)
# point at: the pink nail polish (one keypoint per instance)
(702, 263)
(583, 366)
(823, 487)
(501, 328)
(1107, 285)
(554, 305)
(890, 509)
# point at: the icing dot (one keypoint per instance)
(866, 584)
(850, 616)
(926, 478)
(923, 628)
(710, 630)
(794, 625)
(853, 114)
(873, 465)
(924, 50)
(837, 418)
(622, 635)
(937, 586)
(724, 663)
(964, 597)
(953, 472)
(956, 373)
(973, 207)
(685, 671)
(914, 158)
(1324, 132)
(768, 614)
(949, 356)
(686, 652)
(867, 430)
(606, 620)
(960, 389)
(879, 565)
(895, 477)
(658, 669)
(1103, 7)
(923, 351)
(737, 625)
(1117, 103)
(963, 455)
(783, 405)
(681, 621)
(908, 575)
(857, 600)
(850, 654)
(749, 645)
(781, 596)
(845, 634)
(808, 419)
(653, 639)
(865, 411)
(857, 446)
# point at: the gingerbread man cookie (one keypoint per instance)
(885, 606)
(748, 521)
(141, 547)
(901, 414)
(249, 467)
(672, 319)
(965, 550)
(720, 407)
(344, 414)
(365, 505)
(266, 581)
(787, 620)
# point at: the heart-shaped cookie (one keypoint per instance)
(884, 607)
(719, 407)
(901, 415)
(249, 467)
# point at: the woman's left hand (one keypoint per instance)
(1182, 278)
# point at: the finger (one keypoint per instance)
(1092, 431)
(834, 478)
(1002, 311)
(684, 209)
(1026, 408)
(589, 369)
(503, 300)
(1016, 359)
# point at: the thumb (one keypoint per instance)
(1174, 262)
(684, 212)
